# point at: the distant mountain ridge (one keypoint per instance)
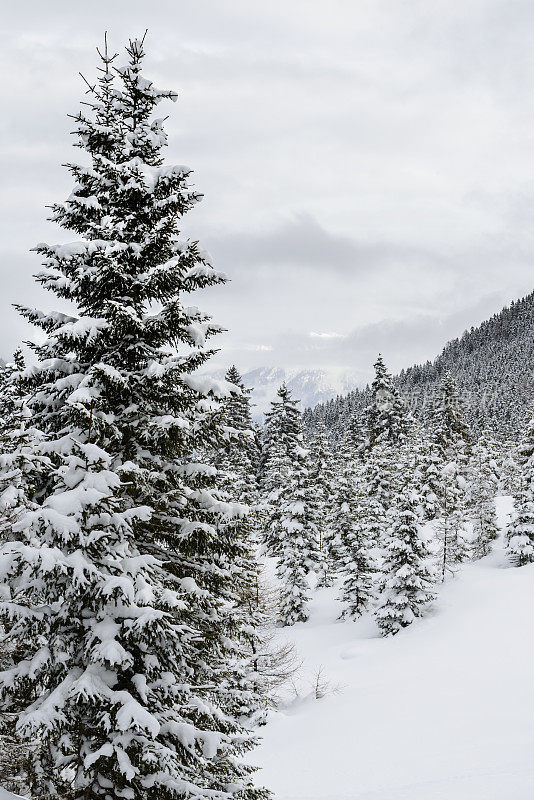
(310, 386)
(492, 364)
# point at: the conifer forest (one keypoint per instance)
(201, 599)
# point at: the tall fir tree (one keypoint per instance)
(451, 524)
(237, 459)
(354, 542)
(483, 483)
(520, 533)
(407, 584)
(448, 426)
(22, 464)
(321, 480)
(386, 417)
(509, 468)
(11, 400)
(291, 570)
(292, 507)
(282, 433)
(380, 478)
(136, 675)
(431, 464)
(450, 440)
(291, 500)
(296, 533)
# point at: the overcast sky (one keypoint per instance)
(368, 166)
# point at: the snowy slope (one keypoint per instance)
(443, 710)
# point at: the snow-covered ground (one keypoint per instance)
(444, 710)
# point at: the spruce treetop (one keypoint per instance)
(386, 415)
(126, 276)
(449, 427)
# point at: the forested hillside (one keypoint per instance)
(492, 365)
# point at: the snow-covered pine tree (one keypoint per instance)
(450, 440)
(354, 545)
(11, 396)
(355, 438)
(236, 462)
(282, 432)
(407, 584)
(21, 467)
(291, 505)
(483, 485)
(237, 459)
(382, 473)
(296, 532)
(101, 655)
(321, 481)
(448, 426)
(431, 465)
(509, 468)
(277, 479)
(450, 526)
(290, 499)
(118, 373)
(520, 533)
(380, 478)
(386, 417)
(23, 462)
(292, 572)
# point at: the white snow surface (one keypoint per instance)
(8, 796)
(444, 710)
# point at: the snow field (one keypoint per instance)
(442, 711)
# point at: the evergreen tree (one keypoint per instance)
(292, 574)
(237, 459)
(382, 474)
(22, 463)
(292, 503)
(450, 441)
(407, 587)
(321, 481)
(354, 439)
(354, 545)
(11, 400)
(483, 482)
(520, 534)
(101, 655)
(278, 479)
(23, 459)
(450, 526)
(125, 420)
(431, 485)
(380, 479)
(386, 416)
(509, 468)
(282, 433)
(296, 533)
(449, 429)
(237, 477)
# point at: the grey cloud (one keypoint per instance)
(403, 342)
(304, 244)
(360, 162)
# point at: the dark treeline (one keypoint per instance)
(492, 366)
